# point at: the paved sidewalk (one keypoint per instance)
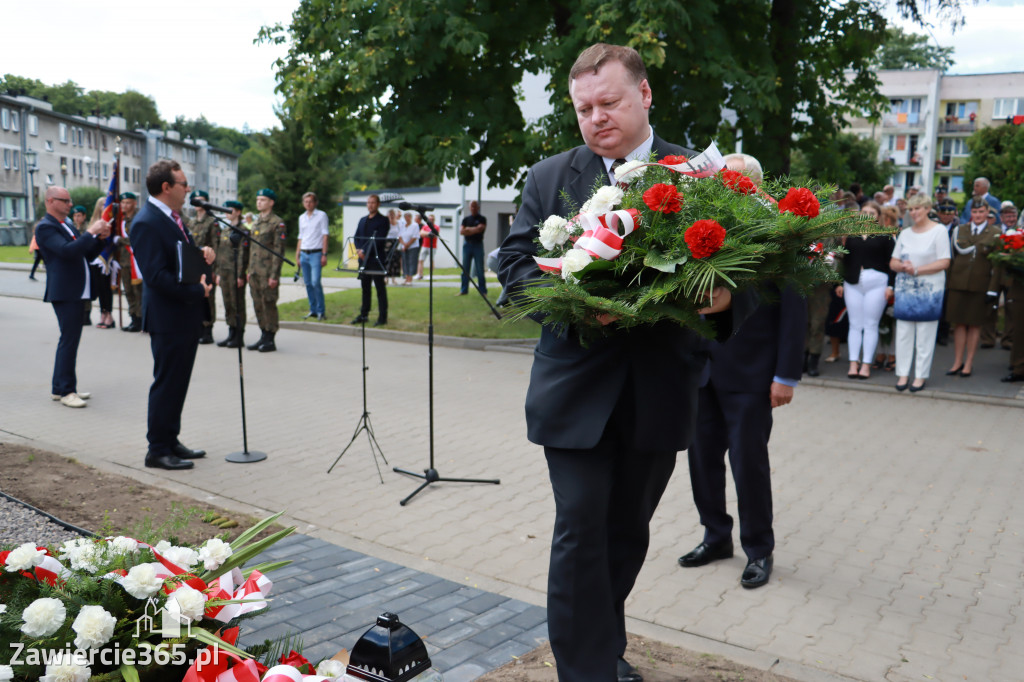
(897, 517)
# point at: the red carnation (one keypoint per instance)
(704, 238)
(673, 160)
(297, 660)
(738, 182)
(664, 198)
(800, 201)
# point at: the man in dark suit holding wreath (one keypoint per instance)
(610, 416)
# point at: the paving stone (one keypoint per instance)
(451, 656)
(456, 633)
(465, 672)
(530, 617)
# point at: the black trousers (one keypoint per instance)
(173, 358)
(604, 500)
(382, 296)
(70, 316)
(742, 424)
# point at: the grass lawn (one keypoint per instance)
(465, 316)
(15, 254)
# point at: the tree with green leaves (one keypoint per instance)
(138, 110)
(903, 50)
(844, 159)
(996, 154)
(217, 136)
(441, 78)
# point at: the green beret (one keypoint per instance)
(947, 205)
(79, 209)
(200, 193)
(268, 193)
(231, 203)
(129, 195)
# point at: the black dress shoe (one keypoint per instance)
(1011, 377)
(902, 387)
(380, 322)
(704, 554)
(915, 389)
(627, 673)
(207, 337)
(167, 462)
(955, 372)
(359, 319)
(757, 572)
(187, 453)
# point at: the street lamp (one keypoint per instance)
(64, 175)
(31, 167)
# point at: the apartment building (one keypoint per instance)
(41, 147)
(931, 115)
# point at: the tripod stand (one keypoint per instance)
(430, 474)
(364, 421)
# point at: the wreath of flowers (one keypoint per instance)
(1010, 254)
(652, 247)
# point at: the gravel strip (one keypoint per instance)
(19, 524)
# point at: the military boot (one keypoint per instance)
(812, 364)
(135, 326)
(225, 342)
(268, 345)
(259, 342)
(207, 337)
(237, 339)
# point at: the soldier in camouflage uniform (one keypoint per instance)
(230, 279)
(132, 286)
(265, 269)
(206, 232)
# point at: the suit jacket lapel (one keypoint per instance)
(586, 165)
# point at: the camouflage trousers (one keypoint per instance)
(817, 311)
(264, 300)
(132, 292)
(989, 334)
(229, 290)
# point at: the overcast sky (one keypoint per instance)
(199, 59)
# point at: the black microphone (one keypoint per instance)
(419, 208)
(199, 203)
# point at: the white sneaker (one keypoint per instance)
(72, 400)
(81, 394)
(419, 277)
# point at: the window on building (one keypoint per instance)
(15, 121)
(7, 158)
(14, 159)
(901, 142)
(49, 145)
(33, 124)
(104, 139)
(127, 173)
(1007, 107)
(106, 171)
(49, 178)
(5, 119)
(63, 133)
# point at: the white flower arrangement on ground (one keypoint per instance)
(93, 594)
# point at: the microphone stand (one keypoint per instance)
(430, 474)
(237, 235)
(364, 421)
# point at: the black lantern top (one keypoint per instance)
(388, 652)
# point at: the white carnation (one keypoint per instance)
(574, 261)
(95, 627)
(43, 617)
(68, 667)
(331, 668)
(83, 554)
(214, 553)
(122, 545)
(191, 603)
(162, 546)
(6, 673)
(142, 581)
(633, 169)
(3, 607)
(24, 558)
(183, 557)
(553, 233)
(604, 200)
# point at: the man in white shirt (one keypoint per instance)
(311, 253)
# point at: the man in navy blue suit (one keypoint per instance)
(750, 374)
(67, 254)
(610, 416)
(172, 311)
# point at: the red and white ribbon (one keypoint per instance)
(50, 571)
(287, 673)
(602, 236)
(254, 591)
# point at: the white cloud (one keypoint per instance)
(194, 58)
